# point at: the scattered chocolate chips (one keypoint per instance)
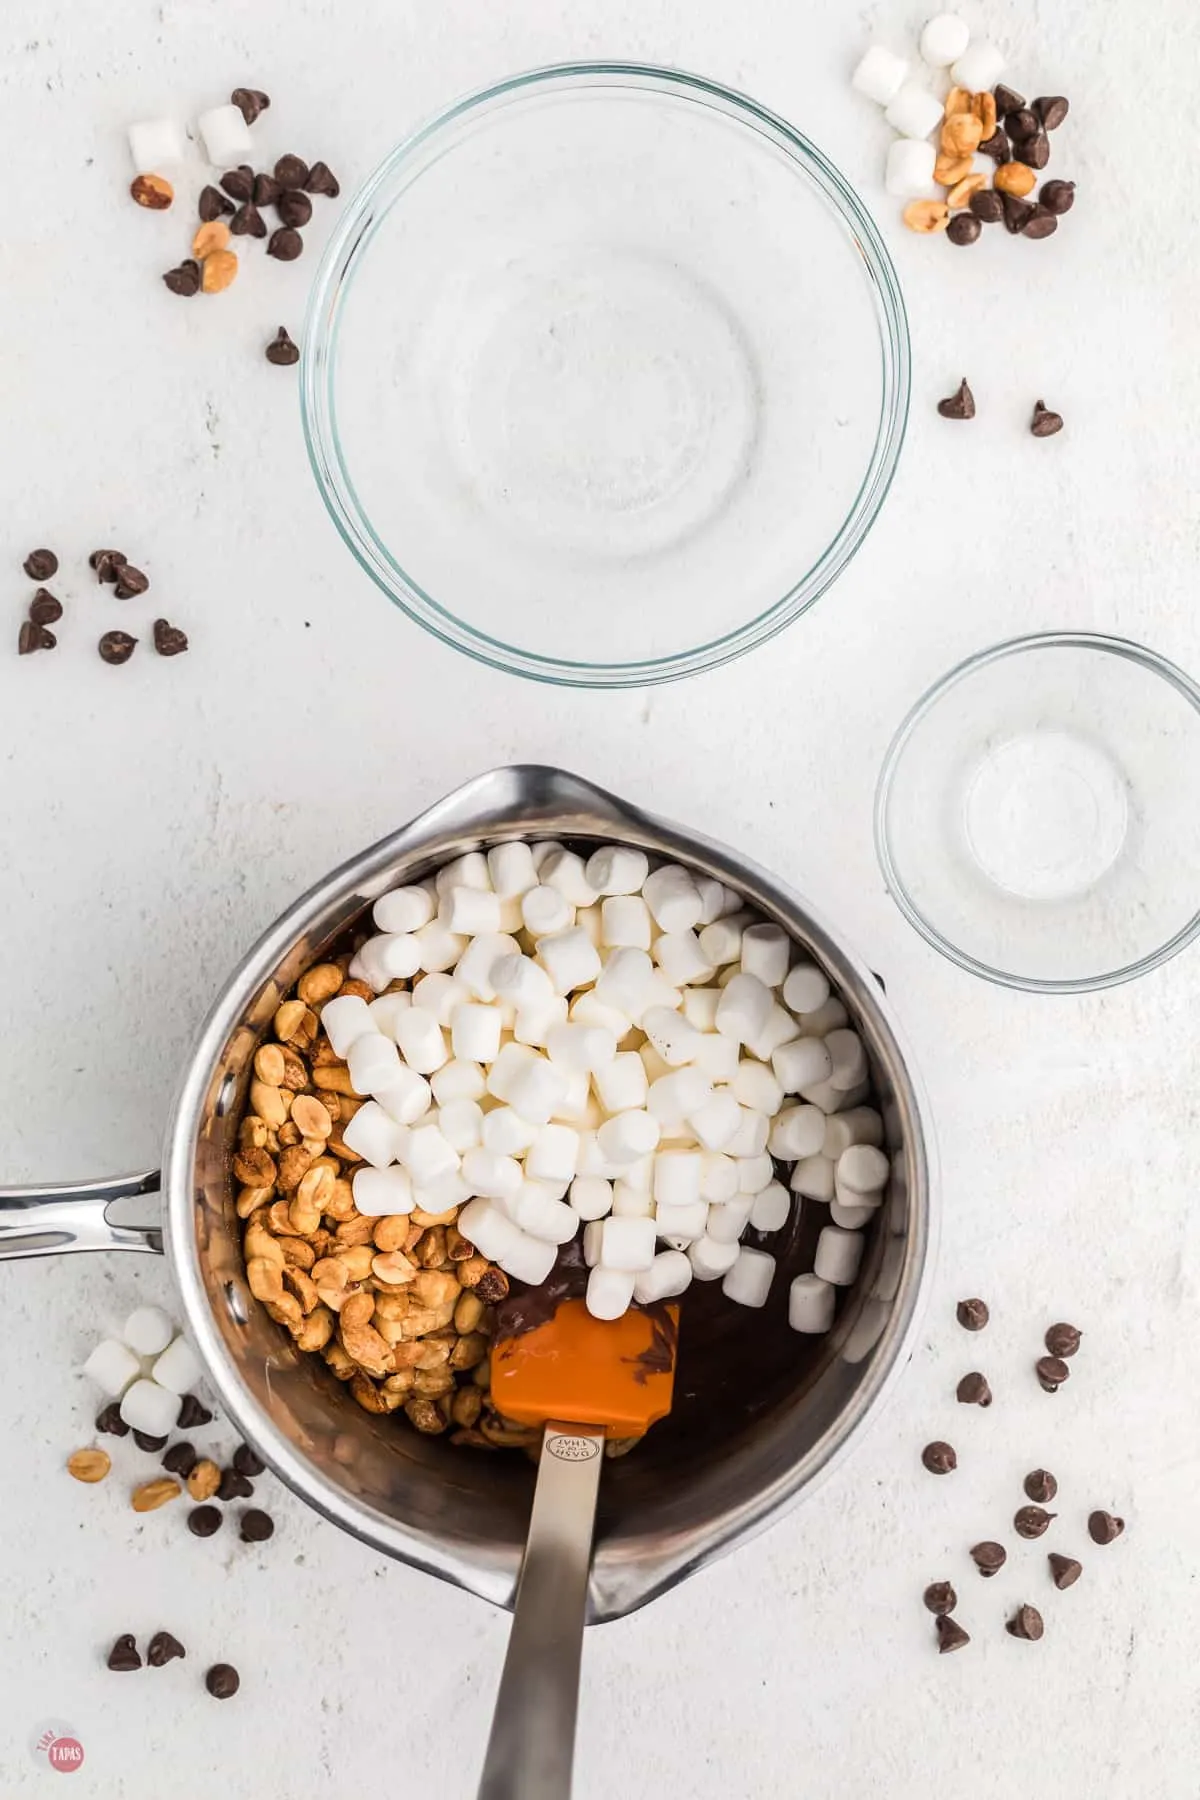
(939, 1458)
(163, 1648)
(222, 1681)
(212, 204)
(185, 279)
(239, 183)
(1026, 1623)
(1104, 1527)
(124, 1655)
(257, 1526)
(1051, 109)
(1040, 1485)
(1060, 1340)
(989, 1557)
(987, 205)
(109, 1420)
(247, 1461)
(1021, 123)
(116, 647)
(1052, 1371)
(40, 565)
(960, 405)
(45, 608)
(1032, 1521)
(997, 147)
(33, 636)
(973, 1390)
(203, 1521)
(1007, 99)
(1035, 151)
(322, 180)
(940, 1598)
(145, 1441)
(130, 581)
(964, 228)
(191, 1414)
(168, 639)
(282, 351)
(285, 244)
(1064, 1570)
(106, 564)
(292, 172)
(294, 207)
(250, 102)
(234, 1486)
(972, 1315)
(1016, 211)
(1040, 223)
(950, 1635)
(1057, 196)
(247, 221)
(181, 1459)
(266, 190)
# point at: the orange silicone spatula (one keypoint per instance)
(583, 1379)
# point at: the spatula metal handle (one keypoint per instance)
(532, 1743)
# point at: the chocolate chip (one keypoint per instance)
(116, 647)
(234, 1486)
(997, 147)
(950, 1635)
(40, 565)
(1007, 99)
(222, 1681)
(1060, 1340)
(163, 1648)
(282, 351)
(940, 1598)
(45, 608)
(109, 1420)
(972, 1315)
(247, 1461)
(973, 1390)
(1041, 223)
(1051, 109)
(33, 636)
(124, 1655)
(960, 405)
(184, 280)
(963, 228)
(250, 102)
(939, 1458)
(191, 1414)
(989, 1557)
(1052, 1371)
(1104, 1527)
(1057, 196)
(130, 582)
(1040, 1485)
(987, 206)
(322, 180)
(1026, 1623)
(145, 1441)
(294, 207)
(1035, 151)
(1032, 1521)
(1064, 1570)
(239, 183)
(1021, 124)
(212, 204)
(106, 563)
(168, 639)
(266, 190)
(285, 244)
(181, 1459)
(247, 221)
(291, 172)
(203, 1521)
(1016, 211)
(257, 1526)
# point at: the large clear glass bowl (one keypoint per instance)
(606, 373)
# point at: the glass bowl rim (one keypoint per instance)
(318, 414)
(1102, 643)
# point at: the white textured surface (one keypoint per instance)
(157, 817)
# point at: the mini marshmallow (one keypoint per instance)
(807, 986)
(944, 39)
(625, 922)
(831, 1099)
(796, 1132)
(677, 1176)
(683, 1223)
(908, 175)
(627, 1244)
(849, 1060)
(374, 1135)
(830, 1016)
(861, 1125)
(469, 911)
(586, 1009)
(542, 850)
(621, 1084)
(609, 1293)
(147, 1330)
(675, 1040)
(756, 1086)
(474, 967)
(863, 1169)
(490, 1176)
(533, 1024)
(565, 873)
(880, 75)
(570, 959)
(721, 942)
(838, 1256)
(766, 950)
(592, 1160)
(345, 1019)
(781, 1028)
(406, 1098)
(578, 1105)
(438, 995)
(679, 956)
(386, 1009)
(465, 871)
(676, 1094)
(491, 1231)
(404, 909)
(726, 1223)
(506, 1133)
(421, 1042)
(458, 1081)
(717, 1056)
(226, 136)
(518, 978)
(536, 1211)
(812, 1177)
(749, 1281)
(396, 954)
(754, 1173)
(593, 1237)
(440, 949)
(710, 1259)
(378, 1193)
(626, 982)
(461, 1124)
(529, 1259)
(802, 1063)
(771, 1208)
(365, 967)
(178, 1369)
(156, 144)
(475, 1033)
(591, 1196)
(628, 1135)
(426, 1154)
(700, 1007)
(631, 1201)
(750, 1138)
(511, 870)
(913, 111)
(374, 1063)
(617, 869)
(535, 1090)
(656, 1069)
(544, 911)
(669, 1274)
(978, 68)
(640, 1173)
(553, 1155)
(578, 1049)
(744, 1008)
(112, 1366)
(150, 1407)
(673, 898)
(811, 1305)
(719, 1178)
(851, 1217)
(440, 1195)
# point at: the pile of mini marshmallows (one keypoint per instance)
(607, 1048)
(149, 1368)
(911, 107)
(159, 144)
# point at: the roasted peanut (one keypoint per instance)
(319, 984)
(302, 1286)
(949, 169)
(355, 1231)
(390, 1232)
(927, 215)
(392, 1303)
(342, 1365)
(458, 1248)
(430, 1250)
(269, 1064)
(204, 1479)
(285, 1310)
(468, 1310)
(433, 1382)
(287, 1135)
(295, 1075)
(960, 194)
(256, 1168)
(961, 134)
(466, 1406)
(213, 235)
(426, 1415)
(308, 1201)
(298, 1253)
(420, 1321)
(339, 1206)
(218, 271)
(153, 1494)
(253, 1133)
(317, 1329)
(353, 986)
(251, 1198)
(427, 1219)
(270, 1103)
(400, 1383)
(433, 1287)
(310, 1117)
(367, 1394)
(259, 1245)
(958, 100)
(359, 1337)
(469, 1351)
(279, 1219)
(295, 1023)
(340, 1148)
(89, 1465)
(293, 1165)
(357, 1260)
(153, 191)
(393, 1267)
(984, 107)
(503, 1435)
(472, 1269)
(265, 1279)
(332, 1103)
(1015, 178)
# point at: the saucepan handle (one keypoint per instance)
(73, 1215)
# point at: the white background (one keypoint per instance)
(156, 818)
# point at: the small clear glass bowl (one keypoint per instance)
(606, 373)
(1038, 813)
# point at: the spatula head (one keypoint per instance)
(618, 1373)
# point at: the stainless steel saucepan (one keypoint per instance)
(458, 1515)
